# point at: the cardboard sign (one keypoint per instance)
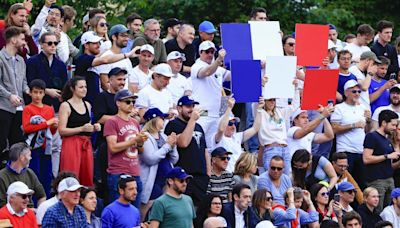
(246, 80)
(311, 44)
(236, 40)
(281, 71)
(265, 39)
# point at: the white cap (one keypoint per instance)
(85, 18)
(331, 45)
(350, 84)
(296, 113)
(69, 184)
(265, 224)
(176, 55)
(232, 117)
(19, 187)
(205, 45)
(147, 47)
(163, 69)
(90, 37)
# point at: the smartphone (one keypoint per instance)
(289, 101)
(204, 113)
(392, 76)
(330, 102)
(336, 197)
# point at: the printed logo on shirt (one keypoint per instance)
(197, 136)
(131, 152)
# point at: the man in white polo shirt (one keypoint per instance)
(207, 78)
(179, 85)
(141, 74)
(155, 94)
(350, 121)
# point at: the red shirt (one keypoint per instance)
(26, 221)
(47, 112)
(126, 161)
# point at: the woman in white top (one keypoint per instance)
(99, 25)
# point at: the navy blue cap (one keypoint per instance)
(115, 71)
(124, 94)
(178, 173)
(345, 186)
(185, 100)
(119, 28)
(332, 27)
(219, 151)
(153, 113)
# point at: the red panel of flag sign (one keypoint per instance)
(311, 44)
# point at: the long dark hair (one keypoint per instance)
(204, 209)
(314, 192)
(299, 175)
(70, 86)
(259, 196)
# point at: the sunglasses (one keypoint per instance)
(183, 180)
(276, 168)
(356, 91)
(128, 102)
(224, 158)
(209, 51)
(50, 43)
(269, 198)
(103, 24)
(23, 196)
(325, 194)
(291, 44)
(351, 191)
(232, 123)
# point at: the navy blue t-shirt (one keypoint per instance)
(83, 63)
(104, 104)
(192, 158)
(342, 80)
(380, 146)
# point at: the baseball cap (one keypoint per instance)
(296, 113)
(332, 27)
(207, 26)
(265, 224)
(69, 184)
(176, 55)
(331, 44)
(370, 55)
(350, 84)
(124, 94)
(119, 28)
(205, 45)
(233, 117)
(185, 100)
(345, 186)
(219, 151)
(178, 173)
(395, 88)
(90, 37)
(163, 69)
(153, 113)
(85, 18)
(19, 187)
(395, 193)
(171, 22)
(147, 47)
(115, 71)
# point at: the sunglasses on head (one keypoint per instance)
(50, 43)
(103, 24)
(209, 51)
(356, 91)
(128, 102)
(224, 158)
(291, 44)
(276, 168)
(125, 176)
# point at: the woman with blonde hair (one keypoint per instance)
(245, 168)
(158, 157)
(368, 210)
(99, 25)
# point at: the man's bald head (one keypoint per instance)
(214, 222)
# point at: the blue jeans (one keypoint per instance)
(113, 194)
(277, 150)
(252, 143)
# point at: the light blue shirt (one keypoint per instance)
(265, 182)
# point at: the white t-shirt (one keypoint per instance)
(105, 45)
(177, 86)
(302, 143)
(350, 141)
(43, 208)
(141, 78)
(389, 214)
(364, 97)
(273, 130)
(231, 144)
(208, 90)
(149, 97)
(356, 51)
(123, 64)
(375, 116)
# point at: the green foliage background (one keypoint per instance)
(345, 14)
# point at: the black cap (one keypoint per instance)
(171, 23)
(219, 151)
(115, 71)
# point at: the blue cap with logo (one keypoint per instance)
(178, 173)
(207, 26)
(153, 113)
(119, 28)
(345, 186)
(124, 94)
(185, 100)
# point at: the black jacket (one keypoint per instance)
(369, 218)
(228, 212)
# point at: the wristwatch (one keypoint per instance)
(386, 156)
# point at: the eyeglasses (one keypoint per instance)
(50, 43)
(209, 51)
(276, 168)
(23, 196)
(351, 191)
(325, 194)
(128, 102)
(183, 180)
(356, 91)
(291, 44)
(224, 158)
(269, 198)
(103, 24)
(343, 166)
(216, 203)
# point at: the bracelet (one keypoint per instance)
(321, 117)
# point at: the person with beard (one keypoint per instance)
(87, 62)
(350, 121)
(121, 213)
(173, 208)
(394, 94)
(191, 147)
(344, 60)
(378, 156)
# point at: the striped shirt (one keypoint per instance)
(221, 185)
